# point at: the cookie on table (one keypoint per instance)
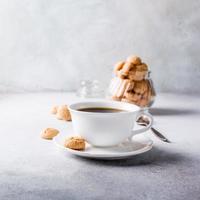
(49, 133)
(63, 113)
(54, 110)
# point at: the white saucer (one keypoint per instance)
(139, 145)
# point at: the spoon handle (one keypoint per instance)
(159, 135)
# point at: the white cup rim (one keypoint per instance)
(127, 107)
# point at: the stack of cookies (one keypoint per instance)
(130, 84)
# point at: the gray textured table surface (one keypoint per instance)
(31, 168)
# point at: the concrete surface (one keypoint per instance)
(53, 44)
(32, 169)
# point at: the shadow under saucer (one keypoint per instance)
(154, 156)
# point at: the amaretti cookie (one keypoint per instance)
(63, 113)
(127, 67)
(118, 66)
(49, 133)
(134, 59)
(75, 142)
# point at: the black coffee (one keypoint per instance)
(100, 110)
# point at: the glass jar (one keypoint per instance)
(141, 93)
(90, 89)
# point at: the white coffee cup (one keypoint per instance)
(106, 129)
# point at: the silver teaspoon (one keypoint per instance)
(144, 121)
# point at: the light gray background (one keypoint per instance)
(52, 44)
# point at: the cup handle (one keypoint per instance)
(143, 129)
